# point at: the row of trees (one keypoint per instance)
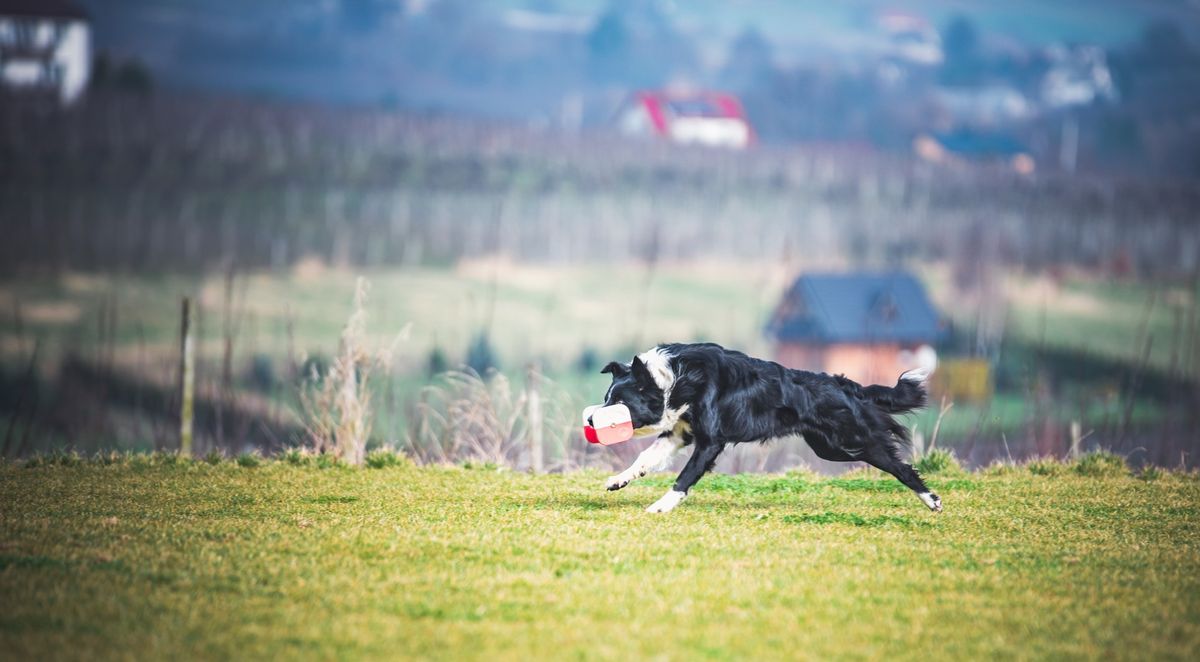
(152, 184)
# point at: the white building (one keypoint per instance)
(710, 119)
(1078, 76)
(45, 47)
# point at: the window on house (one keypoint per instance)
(885, 308)
(23, 31)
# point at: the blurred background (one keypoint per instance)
(426, 224)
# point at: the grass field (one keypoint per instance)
(551, 314)
(545, 312)
(152, 558)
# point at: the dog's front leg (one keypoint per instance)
(655, 454)
(700, 463)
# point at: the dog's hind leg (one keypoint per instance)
(699, 464)
(655, 454)
(884, 458)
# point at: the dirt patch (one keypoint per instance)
(1036, 292)
(527, 277)
(309, 268)
(52, 312)
(84, 283)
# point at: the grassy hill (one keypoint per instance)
(554, 315)
(157, 558)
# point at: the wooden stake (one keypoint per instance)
(533, 404)
(187, 378)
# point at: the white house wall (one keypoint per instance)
(710, 131)
(75, 56)
(72, 57)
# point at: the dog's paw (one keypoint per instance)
(615, 482)
(933, 501)
(667, 503)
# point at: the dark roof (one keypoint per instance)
(857, 307)
(42, 8)
(980, 144)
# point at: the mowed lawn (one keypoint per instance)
(153, 560)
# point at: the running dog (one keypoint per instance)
(706, 396)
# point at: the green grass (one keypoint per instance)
(154, 557)
(550, 313)
(545, 313)
(1107, 318)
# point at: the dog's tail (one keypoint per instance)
(907, 395)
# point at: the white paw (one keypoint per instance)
(667, 503)
(933, 501)
(616, 482)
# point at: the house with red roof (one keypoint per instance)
(706, 118)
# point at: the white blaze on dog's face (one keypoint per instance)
(645, 387)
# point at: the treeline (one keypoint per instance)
(166, 183)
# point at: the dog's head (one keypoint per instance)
(643, 386)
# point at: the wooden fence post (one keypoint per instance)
(187, 378)
(533, 411)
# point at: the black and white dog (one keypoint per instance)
(707, 396)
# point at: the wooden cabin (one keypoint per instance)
(868, 326)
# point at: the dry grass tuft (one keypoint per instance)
(464, 417)
(337, 405)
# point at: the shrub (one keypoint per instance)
(480, 466)
(249, 460)
(938, 461)
(1151, 473)
(464, 417)
(110, 458)
(1001, 468)
(437, 363)
(167, 458)
(1045, 466)
(481, 357)
(261, 374)
(326, 460)
(588, 361)
(54, 459)
(381, 458)
(1101, 464)
(214, 457)
(314, 369)
(296, 457)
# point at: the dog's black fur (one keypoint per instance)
(731, 398)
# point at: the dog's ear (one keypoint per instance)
(641, 373)
(615, 369)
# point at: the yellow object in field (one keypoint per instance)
(963, 379)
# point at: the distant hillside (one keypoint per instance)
(520, 58)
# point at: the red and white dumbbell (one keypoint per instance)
(607, 425)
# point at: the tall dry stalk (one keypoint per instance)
(337, 405)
